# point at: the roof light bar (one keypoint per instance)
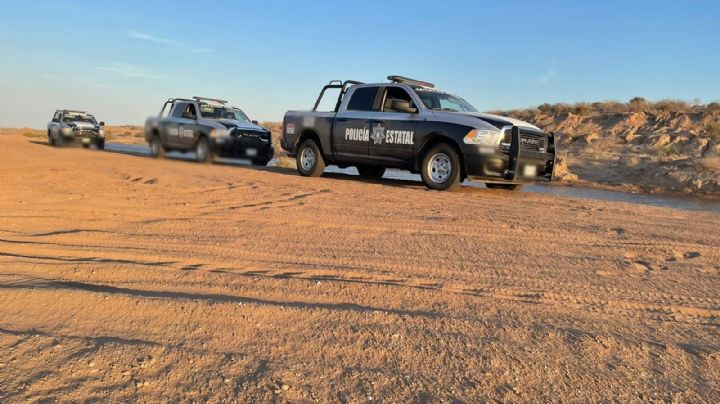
(407, 80)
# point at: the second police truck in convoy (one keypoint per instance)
(210, 128)
(409, 124)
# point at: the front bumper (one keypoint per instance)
(84, 137)
(530, 157)
(244, 147)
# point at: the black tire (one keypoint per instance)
(310, 161)
(203, 151)
(156, 147)
(100, 144)
(440, 168)
(507, 187)
(51, 139)
(370, 171)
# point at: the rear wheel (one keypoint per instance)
(156, 148)
(441, 168)
(203, 154)
(310, 162)
(507, 187)
(370, 171)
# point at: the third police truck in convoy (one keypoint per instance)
(410, 124)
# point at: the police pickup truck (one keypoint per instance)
(209, 127)
(409, 124)
(68, 126)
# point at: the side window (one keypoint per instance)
(178, 109)
(56, 118)
(398, 100)
(363, 99)
(190, 111)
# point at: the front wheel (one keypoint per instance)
(507, 187)
(310, 162)
(203, 153)
(370, 171)
(156, 148)
(441, 168)
(51, 139)
(100, 144)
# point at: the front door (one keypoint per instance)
(392, 133)
(351, 129)
(187, 127)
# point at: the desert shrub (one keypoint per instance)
(713, 106)
(667, 151)
(610, 107)
(638, 104)
(545, 108)
(582, 108)
(672, 106)
(712, 130)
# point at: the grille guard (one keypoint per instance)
(519, 157)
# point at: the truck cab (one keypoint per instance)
(398, 124)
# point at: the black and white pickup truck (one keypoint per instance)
(209, 127)
(409, 124)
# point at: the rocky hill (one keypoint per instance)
(668, 147)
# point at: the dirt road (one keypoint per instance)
(123, 277)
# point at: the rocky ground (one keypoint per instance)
(124, 278)
(646, 149)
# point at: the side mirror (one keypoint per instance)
(254, 122)
(102, 123)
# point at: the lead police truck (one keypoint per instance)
(410, 124)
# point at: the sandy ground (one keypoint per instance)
(127, 278)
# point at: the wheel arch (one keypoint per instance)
(309, 134)
(437, 138)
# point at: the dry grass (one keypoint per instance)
(712, 130)
(27, 132)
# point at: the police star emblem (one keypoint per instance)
(378, 134)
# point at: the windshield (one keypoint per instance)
(212, 111)
(74, 117)
(438, 100)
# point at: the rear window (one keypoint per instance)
(363, 99)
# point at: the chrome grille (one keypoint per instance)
(532, 143)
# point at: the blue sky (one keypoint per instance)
(122, 59)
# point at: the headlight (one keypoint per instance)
(483, 137)
(67, 131)
(220, 133)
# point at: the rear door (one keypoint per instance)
(392, 132)
(170, 126)
(351, 129)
